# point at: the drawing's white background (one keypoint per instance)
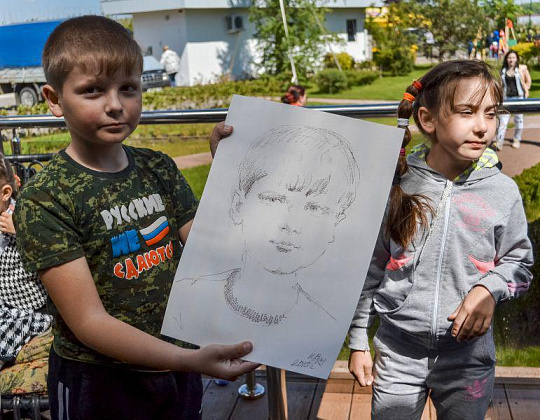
(215, 244)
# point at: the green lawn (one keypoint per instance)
(384, 88)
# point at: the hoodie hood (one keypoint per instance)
(482, 168)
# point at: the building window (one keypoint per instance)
(351, 30)
(234, 24)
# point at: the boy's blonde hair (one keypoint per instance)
(92, 43)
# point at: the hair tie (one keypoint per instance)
(417, 84)
(408, 97)
(402, 152)
(402, 122)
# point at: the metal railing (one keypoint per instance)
(276, 385)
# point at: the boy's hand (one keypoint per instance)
(472, 317)
(361, 366)
(224, 361)
(219, 132)
(6, 223)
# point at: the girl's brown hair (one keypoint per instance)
(436, 92)
(7, 176)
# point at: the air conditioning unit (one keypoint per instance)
(234, 23)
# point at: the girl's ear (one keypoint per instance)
(6, 193)
(52, 98)
(426, 120)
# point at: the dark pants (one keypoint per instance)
(80, 391)
(172, 78)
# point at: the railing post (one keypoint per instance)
(251, 390)
(277, 393)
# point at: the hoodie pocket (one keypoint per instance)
(397, 283)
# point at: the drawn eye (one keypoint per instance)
(316, 208)
(271, 198)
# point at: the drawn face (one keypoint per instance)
(289, 216)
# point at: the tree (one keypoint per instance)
(392, 41)
(307, 35)
(500, 10)
(453, 23)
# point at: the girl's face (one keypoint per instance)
(511, 60)
(462, 136)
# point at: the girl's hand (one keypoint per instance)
(224, 361)
(361, 366)
(473, 316)
(6, 223)
(219, 132)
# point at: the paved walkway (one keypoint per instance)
(514, 160)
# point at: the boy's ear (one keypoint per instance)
(52, 98)
(236, 207)
(6, 192)
(426, 120)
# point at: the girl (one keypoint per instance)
(516, 82)
(453, 244)
(22, 296)
(296, 95)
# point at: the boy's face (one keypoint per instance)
(288, 217)
(100, 110)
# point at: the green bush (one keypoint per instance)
(395, 61)
(360, 77)
(346, 61)
(331, 81)
(529, 186)
(527, 51)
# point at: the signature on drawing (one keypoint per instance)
(311, 362)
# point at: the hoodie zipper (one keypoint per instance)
(445, 200)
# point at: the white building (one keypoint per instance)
(214, 37)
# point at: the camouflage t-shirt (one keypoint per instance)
(126, 226)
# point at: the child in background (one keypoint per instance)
(102, 226)
(453, 244)
(22, 296)
(296, 95)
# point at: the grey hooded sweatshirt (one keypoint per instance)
(477, 236)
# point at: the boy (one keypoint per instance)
(101, 226)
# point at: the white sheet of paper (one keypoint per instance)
(284, 233)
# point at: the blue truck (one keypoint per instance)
(20, 59)
(21, 73)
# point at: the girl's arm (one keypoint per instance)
(511, 276)
(360, 363)
(72, 290)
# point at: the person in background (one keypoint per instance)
(171, 62)
(516, 83)
(22, 296)
(296, 95)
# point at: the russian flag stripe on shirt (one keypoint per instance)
(156, 231)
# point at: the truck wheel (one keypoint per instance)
(27, 96)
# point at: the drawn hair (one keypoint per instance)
(254, 164)
(7, 176)
(437, 94)
(505, 62)
(293, 94)
(93, 43)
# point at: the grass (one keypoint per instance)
(384, 88)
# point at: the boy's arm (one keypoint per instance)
(72, 290)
